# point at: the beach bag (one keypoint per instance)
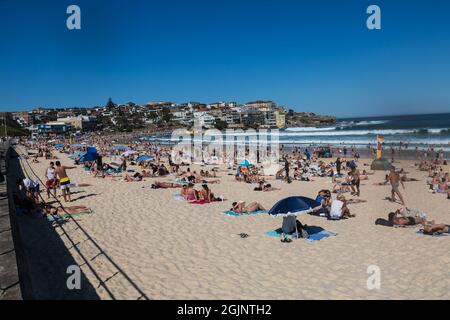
(302, 233)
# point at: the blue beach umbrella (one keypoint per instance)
(293, 206)
(311, 202)
(88, 157)
(144, 158)
(244, 163)
(77, 145)
(76, 154)
(289, 207)
(58, 145)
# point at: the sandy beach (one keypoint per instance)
(175, 250)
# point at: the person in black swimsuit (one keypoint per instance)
(397, 219)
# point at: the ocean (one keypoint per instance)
(421, 131)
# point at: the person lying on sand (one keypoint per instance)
(208, 181)
(355, 201)
(241, 207)
(48, 209)
(134, 178)
(264, 187)
(398, 219)
(431, 229)
(164, 185)
(341, 188)
(404, 178)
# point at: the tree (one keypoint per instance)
(110, 104)
(12, 127)
(221, 125)
(153, 115)
(166, 116)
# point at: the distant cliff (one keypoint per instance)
(301, 119)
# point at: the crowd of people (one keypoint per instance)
(150, 160)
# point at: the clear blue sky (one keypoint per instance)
(308, 55)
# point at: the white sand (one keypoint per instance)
(175, 250)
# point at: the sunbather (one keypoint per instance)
(191, 193)
(431, 229)
(135, 178)
(164, 185)
(399, 219)
(73, 210)
(339, 209)
(264, 187)
(206, 194)
(240, 207)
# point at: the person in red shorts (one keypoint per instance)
(51, 181)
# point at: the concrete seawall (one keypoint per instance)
(10, 288)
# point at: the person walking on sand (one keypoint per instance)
(286, 169)
(355, 181)
(64, 180)
(395, 180)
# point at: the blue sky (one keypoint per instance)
(308, 55)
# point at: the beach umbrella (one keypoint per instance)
(244, 163)
(144, 158)
(92, 150)
(76, 145)
(289, 207)
(58, 145)
(88, 157)
(293, 206)
(76, 155)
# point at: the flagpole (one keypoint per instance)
(6, 129)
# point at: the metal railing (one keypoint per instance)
(142, 296)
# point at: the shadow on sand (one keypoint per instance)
(44, 256)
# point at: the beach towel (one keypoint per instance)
(177, 196)
(407, 226)
(198, 202)
(314, 233)
(234, 214)
(420, 232)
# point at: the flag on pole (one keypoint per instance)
(380, 140)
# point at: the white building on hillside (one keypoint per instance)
(203, 119)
